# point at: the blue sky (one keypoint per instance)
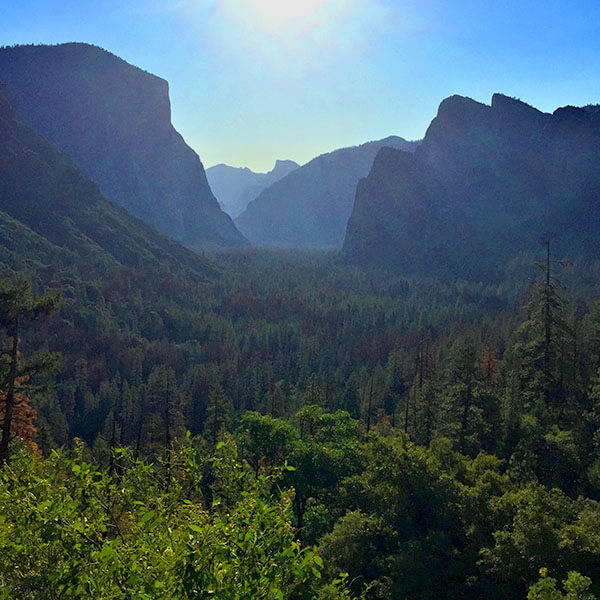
(256, 80)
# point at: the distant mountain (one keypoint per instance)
(311, 205)
(236, 187)
(486, 183)
(114, 121)
(53, 217)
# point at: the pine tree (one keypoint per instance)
(275, 404)
(351, 400)
(427, 412)
(461, 380)
(368, 401)
(314, 394)
(218, 415)
(164, 404)
(488, 402)
(544, 340)
(423, 371)
(489, 365)
(24, 415)
(18, 306)
(395, 387)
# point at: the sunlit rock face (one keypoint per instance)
(114, 121)
(485, 184)
(311, 205)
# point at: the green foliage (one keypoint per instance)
(70, 529)
(431, 440)
(576, 587)
(391, 423)
(404, 501)
(265, 440)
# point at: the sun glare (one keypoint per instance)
(284, 11)
(275, 32)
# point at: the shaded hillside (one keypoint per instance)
(236, 187)
(484, 186)
(311, 206)
(114, 121)
(52, 216)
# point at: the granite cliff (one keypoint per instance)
(114, 121)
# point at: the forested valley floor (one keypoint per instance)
(289, 427)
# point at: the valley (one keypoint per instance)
(372, 375)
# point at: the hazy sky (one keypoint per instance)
(256, 80)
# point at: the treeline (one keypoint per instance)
(348, 433)
(272, 333)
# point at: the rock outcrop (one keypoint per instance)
(53, 216)
(114, 121)
(487, 182)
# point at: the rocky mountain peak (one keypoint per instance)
(283, 167)
(482, 187)
(114, 120)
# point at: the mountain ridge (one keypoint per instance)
(48, 205)
(236, 187)
(508, 173)
(114, 120)
(311, 205)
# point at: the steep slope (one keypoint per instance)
(311, 205)
(52, 216)
(114, 121)
(508, 174)
(236, 187)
